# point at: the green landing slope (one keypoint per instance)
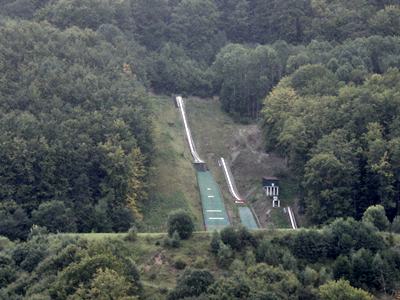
(214, 212)
(247, 217)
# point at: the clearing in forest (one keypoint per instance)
(217, 135)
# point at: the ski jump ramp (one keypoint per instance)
(214, 212)
(292, 218)
(189, 137)
(231, 183)
(247, 218)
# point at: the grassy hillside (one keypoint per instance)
(157, 263)
(173, 177)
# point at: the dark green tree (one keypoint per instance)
(181, 222)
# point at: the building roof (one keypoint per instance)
(270, 178)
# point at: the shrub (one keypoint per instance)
(200, 262)
(245, 237)
(175, 240)
(131, 236)
(230, 237)
(192, 283)
(167, 242)
(180, 263)
(342, 290)
(215, 242)
(225, 256)
(181, 222)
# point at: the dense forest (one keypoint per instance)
(76, 142)
(76, 72)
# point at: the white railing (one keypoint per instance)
(192, 146)
(292, 218)
(231, 184)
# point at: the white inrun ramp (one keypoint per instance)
(192, 146)
(231, 183)
(292, 218)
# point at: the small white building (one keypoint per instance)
(271, 188)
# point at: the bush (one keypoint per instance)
(131, 236)
(180, 264)
(167, 242)
(225, 256)
(245, 237)
(230, 237)
(342, 290)
(215, 242)
(192, 283)
(175, 240)
(181, 222)
(200, 263)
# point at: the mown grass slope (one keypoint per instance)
(173, 178)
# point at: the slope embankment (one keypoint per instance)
(214, 213)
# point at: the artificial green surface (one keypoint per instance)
(214, 212)
(247, 217)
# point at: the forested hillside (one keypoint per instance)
(76, 136)
(74, 65)
(79, 85)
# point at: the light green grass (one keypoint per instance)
(173, 177)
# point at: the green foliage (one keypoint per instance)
(311, 245)
(395, 227)
(314, 80)
(132, 234)
(106, 284)
(180, 264)
(175, 240)
(345, 155)
(80, 137)
(225, 255)
(182, 223)
(230, 237)
(244, 75)
(215, 242)
(14, 222)
(376, 216)
(237, 237)
(347, 235)
(194, 27)
(192, 283)
(342, 290)
(173, 71)
(54, 216)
